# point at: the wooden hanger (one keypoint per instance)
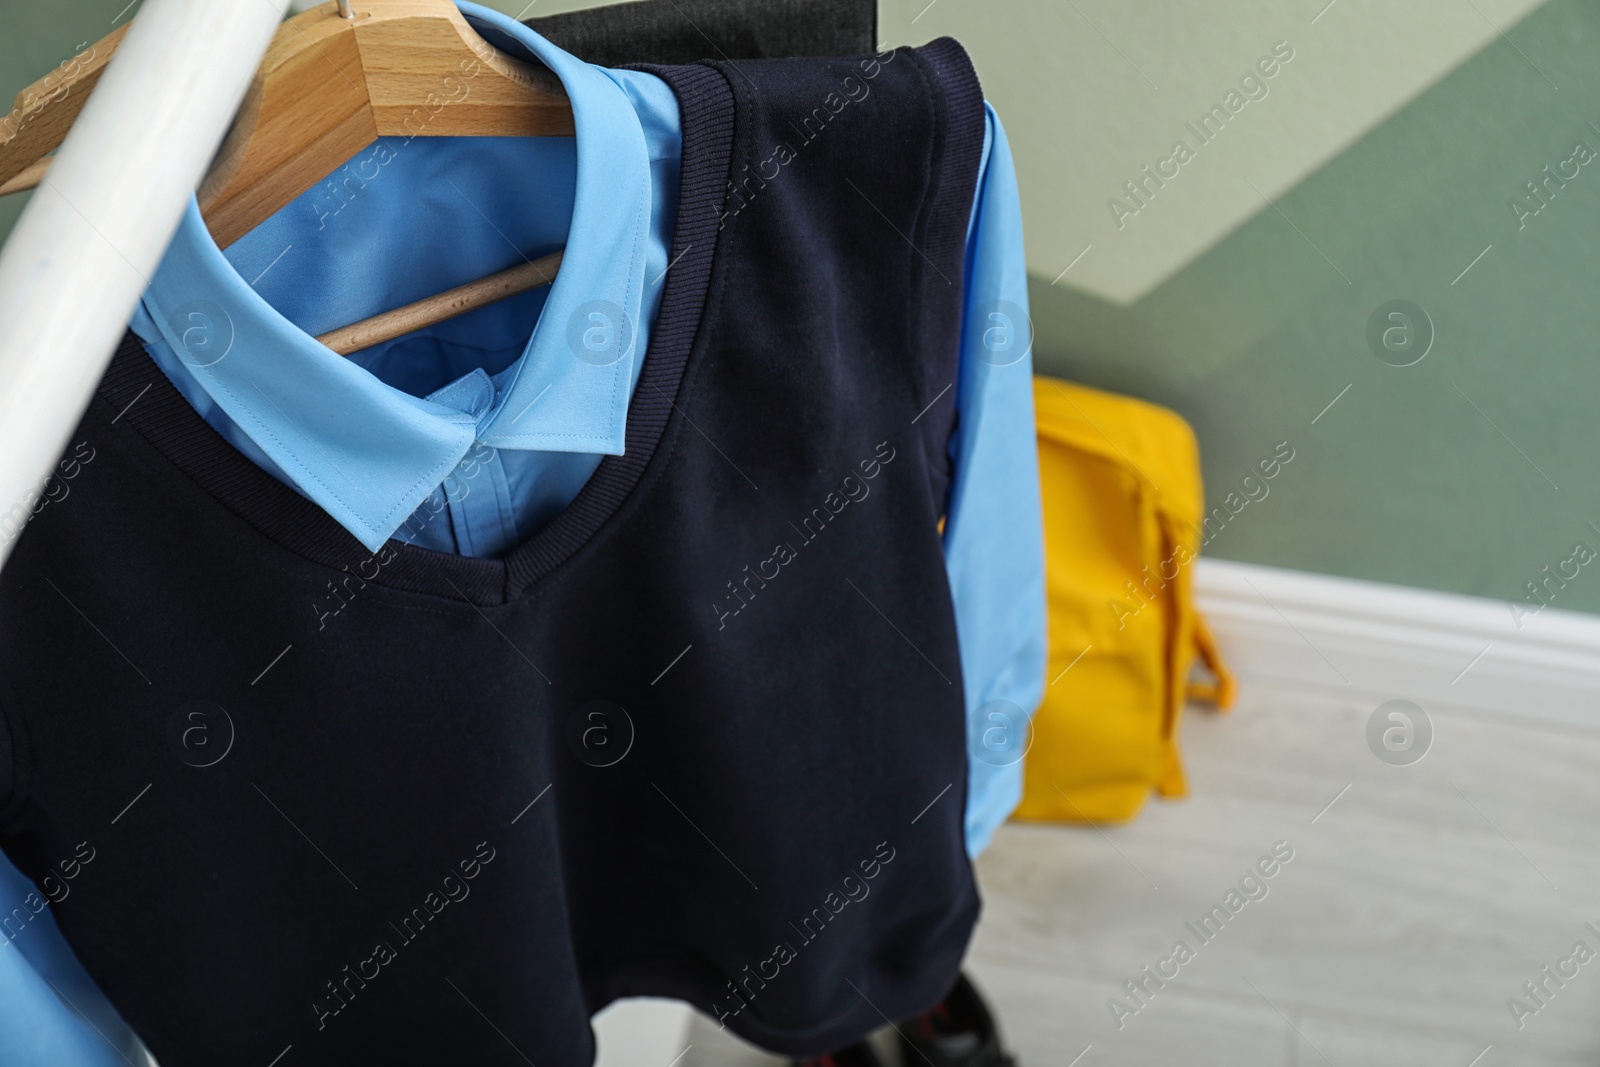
(332, 82)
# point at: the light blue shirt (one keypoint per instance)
(994, 531)
(532, 391)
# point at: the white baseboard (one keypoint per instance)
(1393, 641)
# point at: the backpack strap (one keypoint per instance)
(1221, 692)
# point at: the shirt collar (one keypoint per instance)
(369, 454)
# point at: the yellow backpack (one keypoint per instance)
(1120, 480)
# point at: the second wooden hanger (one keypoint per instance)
(335, 79)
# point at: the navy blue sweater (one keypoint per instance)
(721, 757)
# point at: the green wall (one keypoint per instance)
(1403, 480)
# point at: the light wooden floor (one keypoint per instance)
(1413, 909)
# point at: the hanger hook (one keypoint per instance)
(344, 10)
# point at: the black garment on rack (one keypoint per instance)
(683, 31)
(712, 746)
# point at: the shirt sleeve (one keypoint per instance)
(994, 536)
(50, 1010)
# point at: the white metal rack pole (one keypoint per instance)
(97, 226)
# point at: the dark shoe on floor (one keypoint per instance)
(858, 1055)
(960, 1032)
